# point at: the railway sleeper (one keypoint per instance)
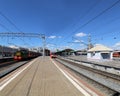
(101, 79)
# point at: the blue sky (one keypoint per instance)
(61, 21)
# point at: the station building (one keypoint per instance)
(100, 52)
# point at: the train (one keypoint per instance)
(7, 52)
(53, 55)
(25, 54)
(116, 54)
(10, 53)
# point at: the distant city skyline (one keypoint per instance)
(62, 22)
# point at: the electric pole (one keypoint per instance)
(89, 42)
(19, 34)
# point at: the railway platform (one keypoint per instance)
(111, 63)
(40, 77)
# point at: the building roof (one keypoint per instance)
(100, 48)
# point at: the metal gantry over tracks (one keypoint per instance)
(21, 34)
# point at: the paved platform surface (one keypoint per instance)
(41, 78)
(111, 63)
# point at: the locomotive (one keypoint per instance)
(25, 54)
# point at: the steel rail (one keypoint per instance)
(111, 81)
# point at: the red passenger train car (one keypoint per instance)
(53, 55)
(116, 54)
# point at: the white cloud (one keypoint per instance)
(50, 45)
(76, 41)
(116, 46)
(52, 37)
(81, 34)
(13, 46)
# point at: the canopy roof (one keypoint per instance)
(100, 48)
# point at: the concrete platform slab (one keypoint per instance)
(42, 78)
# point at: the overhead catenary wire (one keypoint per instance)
(10, 21)
(112, 37)
(3, 26)
(7, 29)
(84, 15)
(3, 15)
(89, 21)
(101, 13)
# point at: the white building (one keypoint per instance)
(100, 52)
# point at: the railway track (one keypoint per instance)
(105, 78)
(8, 63)
(9, 66)
(25, 80)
